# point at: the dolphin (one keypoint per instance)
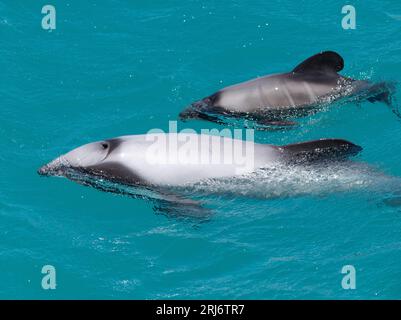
(164, 159)
(278, 98)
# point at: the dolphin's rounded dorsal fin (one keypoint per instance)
(328, 61)
(317, 150)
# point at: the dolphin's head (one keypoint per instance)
(84, 158)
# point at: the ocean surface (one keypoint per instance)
(115, 67)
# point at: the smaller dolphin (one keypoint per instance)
(275, 99)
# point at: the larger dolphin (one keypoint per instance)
(153, 166)
(178, 159)
(274, 99)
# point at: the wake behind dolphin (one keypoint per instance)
(275, 100)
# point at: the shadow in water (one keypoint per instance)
(166, 202)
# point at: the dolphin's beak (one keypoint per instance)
(196, 110)
(189, 113)
(53, 168)
(199, 111)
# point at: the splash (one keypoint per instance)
(281, 181)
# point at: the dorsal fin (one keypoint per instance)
(318, 150)
(328, 61)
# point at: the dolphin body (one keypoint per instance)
(275, 99)
(167, 160)
(146, 167)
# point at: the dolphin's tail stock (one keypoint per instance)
(382, 92)
(319, 150)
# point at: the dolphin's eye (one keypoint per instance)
(105, 145)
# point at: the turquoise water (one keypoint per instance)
(113, 68)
